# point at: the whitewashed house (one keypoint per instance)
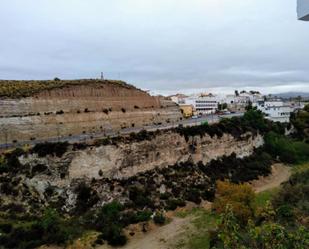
(275, 110)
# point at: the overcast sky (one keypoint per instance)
(162, 45)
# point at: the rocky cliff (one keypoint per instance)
(50, 180)
(41, 110)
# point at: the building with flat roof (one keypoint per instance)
(303, 10)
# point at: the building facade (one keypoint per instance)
(275, 110)
(203, 103)
(303, 10)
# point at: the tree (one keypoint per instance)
(240, 197)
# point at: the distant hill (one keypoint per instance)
(292, 95)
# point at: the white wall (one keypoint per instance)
(303, 10)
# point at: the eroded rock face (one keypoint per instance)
(77, 109)
(108, 172)
(126, 160)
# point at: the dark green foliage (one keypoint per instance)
(294, 196)
(139, 197)
(86, 198)
(49, 229)
(253, 120)
(60, 112)
(193, 195)
(288, 150)
(109, 222)
(159, 218)
(10, 162)
(114, 235)
(141, 136)
(105, 111)
(173, 203)
(136, 217)
(300, 121)
(54, 149)
(104, 141)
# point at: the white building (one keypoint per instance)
(178, 98)
(275, 110)
(203, 103)
(303, 10)
(241, 101)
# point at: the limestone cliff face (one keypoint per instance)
(108, 169)
(126, 160)
(77, 109)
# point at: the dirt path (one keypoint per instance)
(157, 238)
(163, 237)
(280, 174)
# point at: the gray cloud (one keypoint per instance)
(162, 45)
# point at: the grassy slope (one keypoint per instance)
(196, 236)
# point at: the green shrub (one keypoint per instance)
(286, 149)
(159, 218)
(86, 198)
(55, 149)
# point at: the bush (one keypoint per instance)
(86, 198)
(159, 218)
(139, 197)
(172, 204)
(60, 112)
(239, 197)
(286, 149)
(49, 229)
(55, 149)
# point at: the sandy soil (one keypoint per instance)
(280, 173)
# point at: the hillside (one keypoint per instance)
(24, 88)
(49, 109)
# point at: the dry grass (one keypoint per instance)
(17, 89)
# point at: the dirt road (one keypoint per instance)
(280, 174)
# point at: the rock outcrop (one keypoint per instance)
(50, 180)
(126, 160)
